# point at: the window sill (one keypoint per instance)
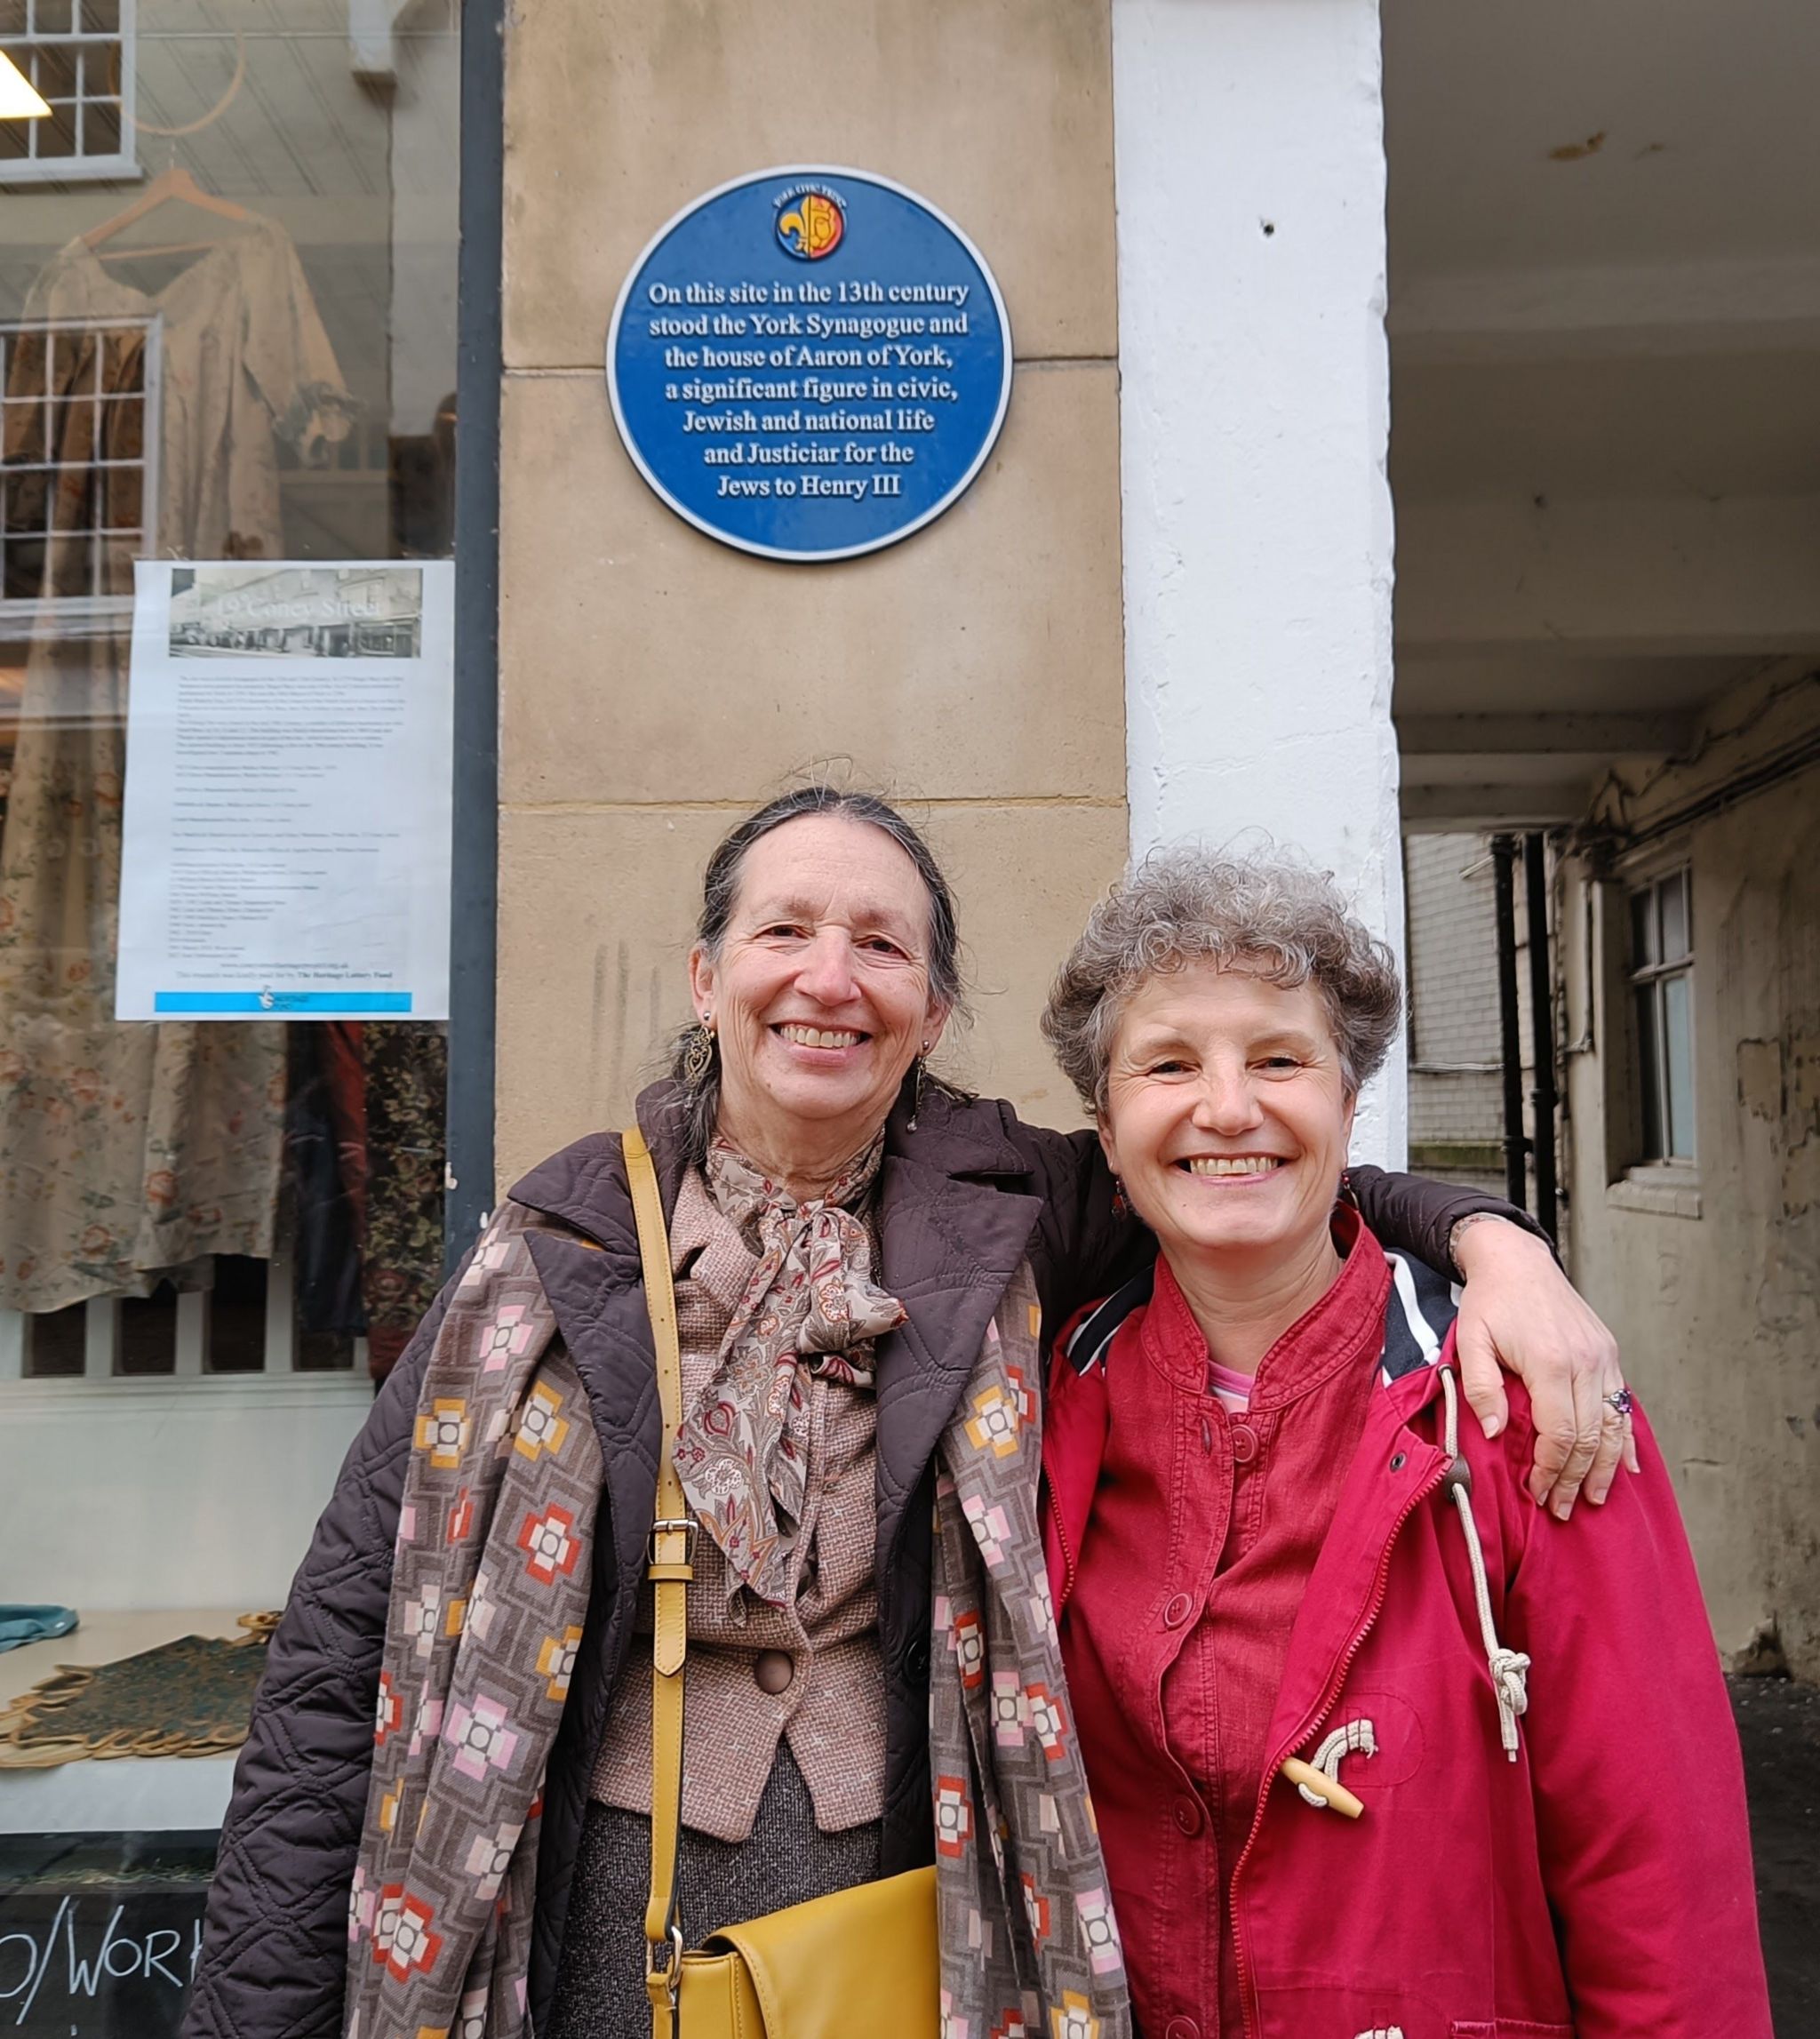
(1662, 1189)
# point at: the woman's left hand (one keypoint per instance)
(1519, 1311)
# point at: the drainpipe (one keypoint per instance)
(1542, 1031)
(1503, 872)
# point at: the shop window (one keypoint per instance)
(1662, 989)
(77, 53)
(227, 485)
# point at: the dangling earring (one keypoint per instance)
(917, 1092)
(1120, 1209)
(698, 1055)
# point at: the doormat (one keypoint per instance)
(190, 1697)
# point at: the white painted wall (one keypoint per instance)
(167, 1493)
(1254, 416)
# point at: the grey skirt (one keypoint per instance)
(786, 1860)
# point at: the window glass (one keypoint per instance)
(1674, 918)
(1678, 1058)
(1643, 944)
(227, 284)
(1650, 1066)
(1661, 970)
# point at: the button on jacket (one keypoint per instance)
(1218, 1616)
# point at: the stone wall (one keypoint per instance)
(656, 685)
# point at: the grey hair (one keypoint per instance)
(720, 893)
(1268, 914)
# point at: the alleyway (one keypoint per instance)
(1779, 1726)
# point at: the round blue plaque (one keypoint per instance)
(810, 363)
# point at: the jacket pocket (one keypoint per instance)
(1508, 2028)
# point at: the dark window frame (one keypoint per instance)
(1661, 965)
(474, 888)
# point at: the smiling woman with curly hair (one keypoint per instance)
(1367, 1733)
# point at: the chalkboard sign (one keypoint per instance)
(91, 1962)
(810, 363)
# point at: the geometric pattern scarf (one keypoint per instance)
(490, 1590)
(810, 1306)
(1029, 1945)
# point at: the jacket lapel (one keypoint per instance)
(950, 1246)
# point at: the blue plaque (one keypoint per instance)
(810, 363)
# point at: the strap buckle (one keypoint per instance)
(672, 1525)
(663, 1971)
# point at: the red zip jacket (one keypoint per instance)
(1599, 1884)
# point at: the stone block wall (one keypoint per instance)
(655, 684)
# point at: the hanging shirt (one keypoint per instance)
(127, 1151)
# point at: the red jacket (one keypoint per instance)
(1599, 1885)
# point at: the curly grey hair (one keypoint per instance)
(1267, 913)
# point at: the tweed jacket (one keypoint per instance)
(965, 1197)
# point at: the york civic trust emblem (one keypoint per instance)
(811, 222)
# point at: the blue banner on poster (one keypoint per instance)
(810, 363)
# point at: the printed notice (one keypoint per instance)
(287, 818)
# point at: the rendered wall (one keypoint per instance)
(655, 684)
(1712, 1280)
(1255, 423)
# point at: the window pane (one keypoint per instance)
(100, 130)
(56, 73)
(1678, 1057)
(1643, 951)
(1674, 918)
(1649, 1072)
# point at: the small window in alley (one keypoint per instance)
(1662, 966)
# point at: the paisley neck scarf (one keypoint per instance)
(811, 1308)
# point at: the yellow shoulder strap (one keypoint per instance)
(668, 1568)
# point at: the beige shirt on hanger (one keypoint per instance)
(128, 1151)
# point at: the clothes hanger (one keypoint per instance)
(174, 185)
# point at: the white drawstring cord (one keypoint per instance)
(1509, 1667)
(1357, 1737)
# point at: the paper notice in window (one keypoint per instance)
(287, 807)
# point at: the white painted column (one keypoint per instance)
(1254, 414)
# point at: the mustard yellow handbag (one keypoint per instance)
(862, 1960)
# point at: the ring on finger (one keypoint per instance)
(1620, 1402)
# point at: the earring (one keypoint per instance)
(917, 1093)
(1120, 1209)
(698, 1055)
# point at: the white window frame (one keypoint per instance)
(124, 163)
(91, 615)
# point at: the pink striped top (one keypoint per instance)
(1233, 1389)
